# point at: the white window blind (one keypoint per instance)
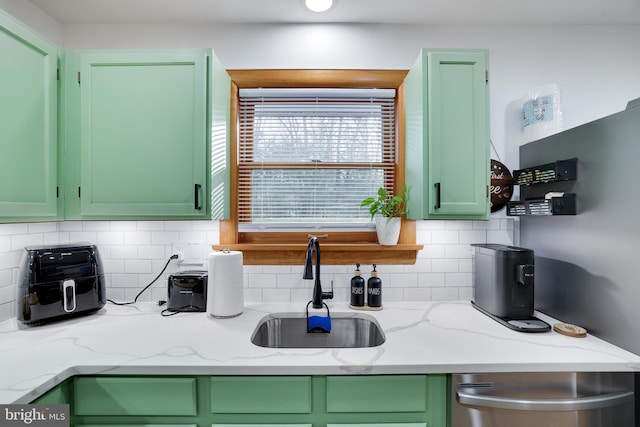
(310, 156)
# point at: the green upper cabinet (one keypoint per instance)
(138, 134)
(28, 125)
(447, 135)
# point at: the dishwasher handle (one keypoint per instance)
(524, 404)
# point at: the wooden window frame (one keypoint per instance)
(345, 247)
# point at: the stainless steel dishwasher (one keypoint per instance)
(559, 399)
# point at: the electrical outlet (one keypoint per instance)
(178, 249)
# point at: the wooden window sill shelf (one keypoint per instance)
(331, 253)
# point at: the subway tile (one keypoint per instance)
(465, 293)
(5, 243)
(430, 225)
(252, 295)
(433, 251)
(42, 227)
(458, 225)
(206, 226)
(445, 237)
(165, 237)
(458, 251)
(123, 252)
(473, 236)
(68, 226)
(450, 265)
(289, 280)
(133, 237)
(417, 294)
(261, 281)
(96, 226)
(137, 266)
(7, 294)
(401, 280)
(12, 229)
(465, 265)
(19, 241)
(6, 277)
(178, 225)
(444, 294)
(123, 226)
(110, 238)
(150, 225)
(275, 295)
(134, 253)
(422, 265)
(152, 252)
(500, 236)
(7, 311)
(392, 295)
(458, 279)
(431, 279)
(83, 236)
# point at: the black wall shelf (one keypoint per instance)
(560, 170)
(565, 205)
(541, 200)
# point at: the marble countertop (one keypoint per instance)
(449, 337)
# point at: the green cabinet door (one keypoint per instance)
(447, 135)
(152, 396)
(28, 125)
(141, 146)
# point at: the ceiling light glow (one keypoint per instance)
(318, 5)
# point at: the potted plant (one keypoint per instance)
(386, 210)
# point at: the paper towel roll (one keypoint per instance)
(225, 291)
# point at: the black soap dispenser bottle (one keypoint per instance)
(357, 289)
(374, 290)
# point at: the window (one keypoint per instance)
(309, 156)
(264, 245)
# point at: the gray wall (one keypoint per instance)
(587, 264)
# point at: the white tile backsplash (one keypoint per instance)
(135, 252)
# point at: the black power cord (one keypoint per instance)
(146, 287)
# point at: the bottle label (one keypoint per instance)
(374, 291)
(357, 290)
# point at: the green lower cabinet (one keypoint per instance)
(135, 396)
(261, 395)
(255, 401)
(261, 425)
(56, 396)
(380, 425)
(137, 425)
(394, 393)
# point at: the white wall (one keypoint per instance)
(34, 18)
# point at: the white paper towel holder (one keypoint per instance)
(232, 303)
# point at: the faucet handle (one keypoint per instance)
(328, 295)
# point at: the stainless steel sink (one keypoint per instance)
(289, 330)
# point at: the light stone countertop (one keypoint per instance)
(421, 338)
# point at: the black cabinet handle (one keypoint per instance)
(437, 185)
(196, 198)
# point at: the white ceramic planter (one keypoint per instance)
(388, 230)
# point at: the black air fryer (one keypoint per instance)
(60, 281)
(187, 291)
(503, 279)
